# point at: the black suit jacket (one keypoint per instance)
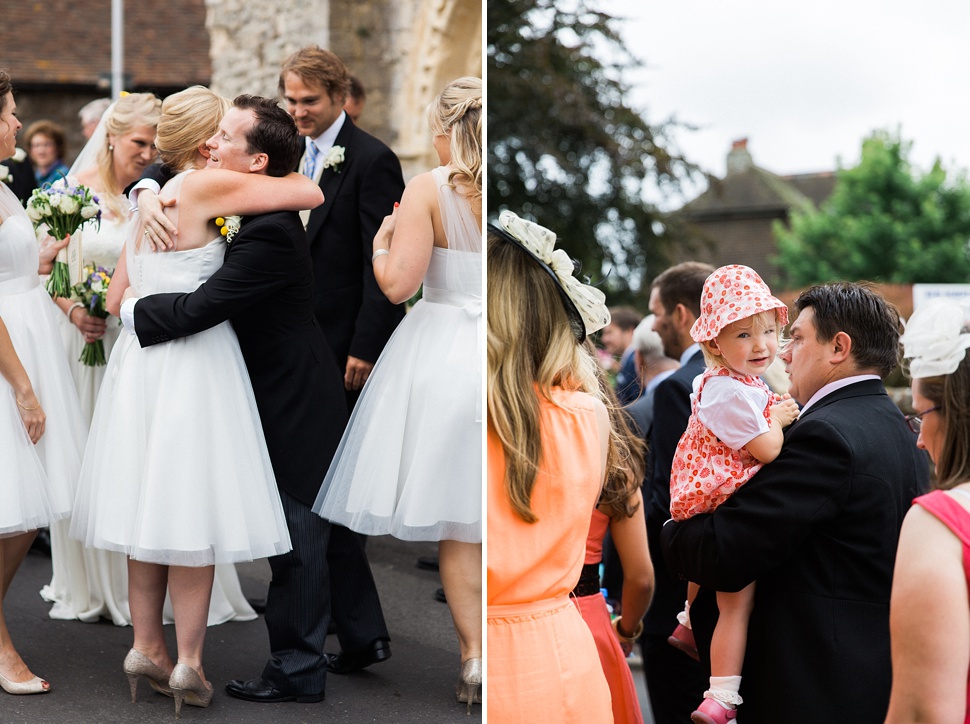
(356, 317)
(671, 411)
(23, 182)
(265, 288)
(817, 529)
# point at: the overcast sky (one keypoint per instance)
(803, 81)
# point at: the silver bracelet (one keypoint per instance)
(70, 310)
(379, 252)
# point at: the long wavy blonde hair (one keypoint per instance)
(457, 113)
(531, 345)
(135, 110)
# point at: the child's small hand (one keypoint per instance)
(784, 412)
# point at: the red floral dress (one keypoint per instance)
(705, 470)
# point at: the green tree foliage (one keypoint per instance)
(885, 221)
(564, 148)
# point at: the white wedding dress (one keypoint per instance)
(410, 461)
(91, 583)
(176, 469)
(37, 483)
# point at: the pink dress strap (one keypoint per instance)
(955, 517)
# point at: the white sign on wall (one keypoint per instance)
(957, 292)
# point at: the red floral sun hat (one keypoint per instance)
(731, 293)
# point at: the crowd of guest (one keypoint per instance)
(793, 489)
(262, 255)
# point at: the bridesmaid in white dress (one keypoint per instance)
(38, 472)
(410, 461)
(89, 583)
(176, 473)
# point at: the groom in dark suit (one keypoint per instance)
(265, 288)
(361, 179)
(817, 528)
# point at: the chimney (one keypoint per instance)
(739, 160)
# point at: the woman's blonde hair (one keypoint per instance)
(531, 345)
(135, 110)
(457, 113)
(760, 322)
(189, 119)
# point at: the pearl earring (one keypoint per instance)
(110, 147)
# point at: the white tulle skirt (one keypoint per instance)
(410, 461)
(87, 379)
(176, 469)
(37, 481)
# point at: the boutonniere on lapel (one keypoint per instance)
(229, 226)
(333, 159)
(5, 175)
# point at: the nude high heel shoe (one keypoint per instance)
(188, 686)
(35, 686)
(137, 664)
(468, 688)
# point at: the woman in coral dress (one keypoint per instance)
(548, 443)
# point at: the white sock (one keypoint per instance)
(683, 618)
(724, 690)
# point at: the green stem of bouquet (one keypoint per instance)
(59, 281)
(93, 354)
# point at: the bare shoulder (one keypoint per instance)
(421, 186)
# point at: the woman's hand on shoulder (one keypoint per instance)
(159, 231)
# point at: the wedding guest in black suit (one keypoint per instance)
(818, 527)
(361, 180)
(674, 680)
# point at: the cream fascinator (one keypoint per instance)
(585, 304)
(936, 338)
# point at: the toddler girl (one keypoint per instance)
(735, 427)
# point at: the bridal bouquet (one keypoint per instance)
(91, 292)
(63, 206)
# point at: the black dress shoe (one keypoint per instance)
(428, 563)
(260, 690)
(439, 595)
(347, 662)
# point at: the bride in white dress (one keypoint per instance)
(88, 583)
(176, 474)
(410, 461)
(38, 472)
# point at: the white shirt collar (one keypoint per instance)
(324, 142)
(688, 353)
(837, 385)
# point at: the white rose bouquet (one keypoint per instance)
(91, 292)
(63, 206)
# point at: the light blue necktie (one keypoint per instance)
(312, 154)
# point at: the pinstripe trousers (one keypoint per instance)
(327, 567)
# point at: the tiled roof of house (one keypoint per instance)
(752, 191)
(66, 42)
(748, 190)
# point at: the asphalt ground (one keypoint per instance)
(83, 661)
